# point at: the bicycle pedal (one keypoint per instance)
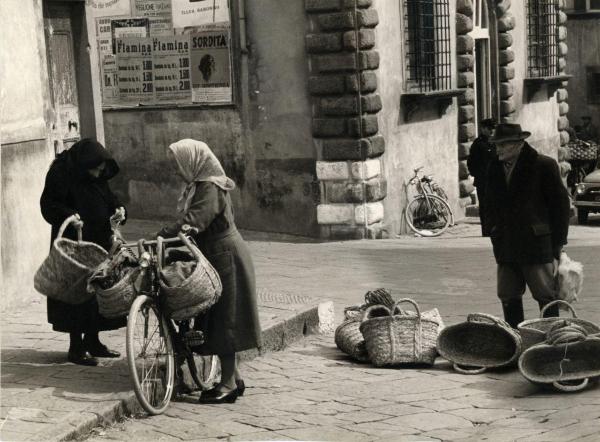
(194, 338)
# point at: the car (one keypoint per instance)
(587, 196)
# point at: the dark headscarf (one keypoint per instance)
(87, 154)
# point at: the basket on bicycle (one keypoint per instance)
(482, 342)
(189, 291)
(63, 274)
(392, 337)
(579, 150)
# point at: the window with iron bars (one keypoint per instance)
(542, 25)
(427, 45)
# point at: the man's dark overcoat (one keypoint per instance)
(481, 154)
(69, 189)
(528, 219)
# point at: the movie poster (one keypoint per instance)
(159, 14)
(171, 66)
(110, 80)
(135, 69)
(211, 67)
(129, 27)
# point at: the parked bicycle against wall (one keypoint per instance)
(428, 213)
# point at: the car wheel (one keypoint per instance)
(582, 216)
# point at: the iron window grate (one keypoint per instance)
(542, 26)
(427, 41)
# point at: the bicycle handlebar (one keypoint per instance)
(418, 169)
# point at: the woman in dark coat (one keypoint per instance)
(77, 183)
(232, 323)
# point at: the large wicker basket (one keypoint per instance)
(349, 339)
(482, 342)
(582, 151)
(200, 291)
(533, 331)
(393, 339)
(116, 301)
(63, 274)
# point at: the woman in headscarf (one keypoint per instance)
(232, 324)
(77, 183)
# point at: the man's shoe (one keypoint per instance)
(214, 396)
(82, 358)
(102, 351)
(241, 386)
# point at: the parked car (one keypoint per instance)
(587, 196)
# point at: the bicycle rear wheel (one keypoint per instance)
(428, 215)
(150, 355)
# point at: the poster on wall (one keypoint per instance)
(134, 67)
(109, 8)
(193, 13)
(159, 14)
(104, 35)
(171, 66)
(110, 81)
(129, 27)
(211, 67)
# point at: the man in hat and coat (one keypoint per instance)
(527, 211)
(481, 154)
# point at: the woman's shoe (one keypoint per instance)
(214, 396)
(82, 358)
(102, 351)
(241, 387)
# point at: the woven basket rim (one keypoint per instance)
(201, 266)
(57, 241)
(123, 282)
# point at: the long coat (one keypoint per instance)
(69, 189)
(232, 324)
(529, 217)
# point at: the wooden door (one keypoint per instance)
(58, 24)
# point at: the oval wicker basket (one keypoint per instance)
(116, 301)
(393, 338)
(533, 331)
(349, 339)
(200, 291)
(63, 274)
(482, 342)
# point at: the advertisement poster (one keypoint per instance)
(159, 14)
(110, 81)
(188, 13)
(104, 35)
(134, 66)
(171, 63)
(129, 27)
(211, 67)
(109, 8)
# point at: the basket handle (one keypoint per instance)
(71, 219)
(192, 248)
(410, 301)
(484, 317)
(558, 302)
(462, 370)
(571, 388)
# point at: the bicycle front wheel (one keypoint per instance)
(150, 355)
(428, 215)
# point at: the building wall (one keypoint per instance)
(264, 141)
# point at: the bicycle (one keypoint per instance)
(428, 213)
(154, 342)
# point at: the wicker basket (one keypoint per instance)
(399, 339)
(349, 339)
(116, 301)
(582, 151)
(200, 291)
(533, 331)
(482, 342)
(63, 274)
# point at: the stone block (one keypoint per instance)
(322, 5)
(368, 60)
(353, 149)
(370, 126)
(562, 33)
(339, 21)
(563, 108)
(336, 62)
(368, 82)
(562, 95)
(506, 90)
(507, 107)
(344, 192)
(466, 132)
(326, 84)
(342, 105)
(505, 40)
(375, 189)
(467, 98)
(506, 56)
(466, 114)
(342, 232)
(563, 49)
(368, 18)
(365, 170)
(465, 7)
(562, 18)
(463, 170)
(502, 7)
(335, 213)
(563, 123)
(562, 64)
(332, 170)
(329, 127)
(319, 43)
(563, 153)
(463, 150)
(506, 22)
(465, 188)
(366, 38)
(564, 137)
(464, 44)
(466, 79)
(507, 73)
(508, 118)
(464, 24)
(371, 103)
(370, 213)
(464, 62)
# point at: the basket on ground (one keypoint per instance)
(63, 274)
(349, 339)
(393, 338)
(197, 293)
(533, 331)
(480, 343)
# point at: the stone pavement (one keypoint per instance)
(311, 391)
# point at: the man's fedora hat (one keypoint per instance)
(509, 132)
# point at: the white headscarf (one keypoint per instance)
(197, 163)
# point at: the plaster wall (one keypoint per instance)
(426, 139)
(583, 39)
